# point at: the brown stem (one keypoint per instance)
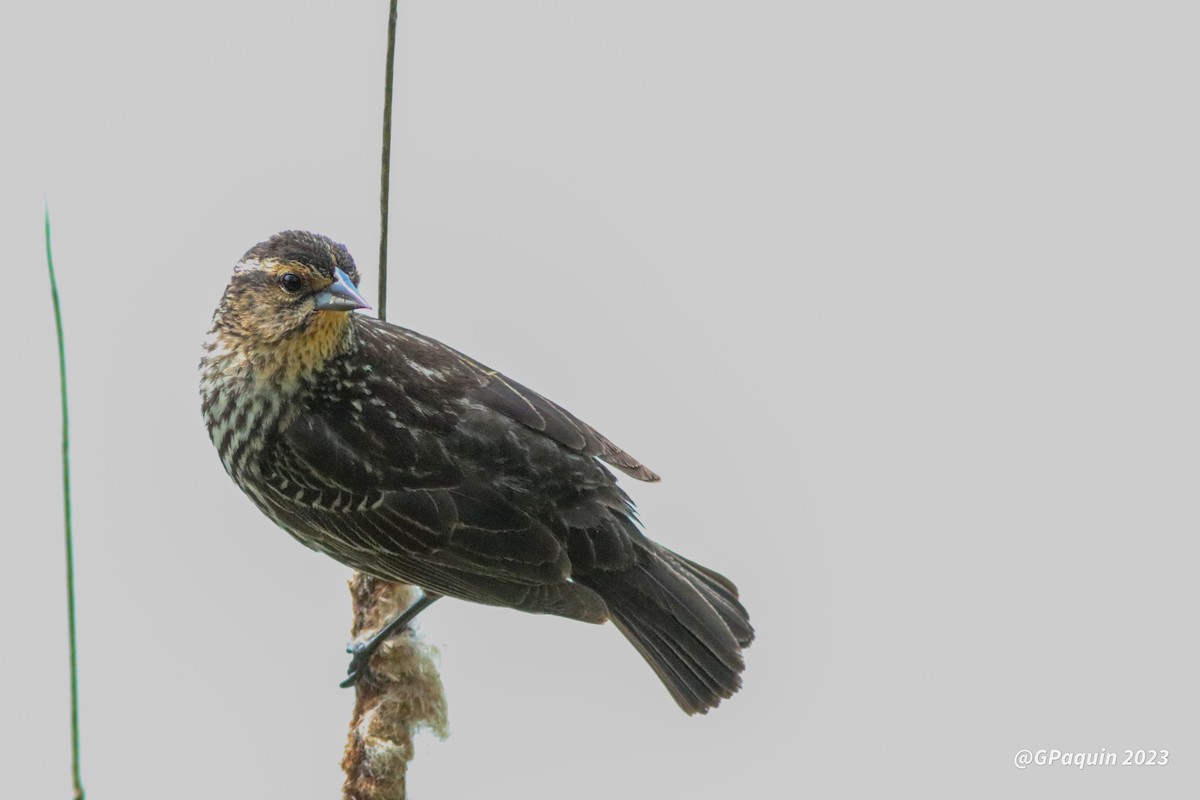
(385, 162)
(400, 693)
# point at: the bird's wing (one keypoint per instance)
(502, 394)
(454, 534)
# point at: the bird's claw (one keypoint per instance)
(362, 651)
(360, 659)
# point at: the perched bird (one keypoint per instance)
(409, 461)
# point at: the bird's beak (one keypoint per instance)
(341, 295)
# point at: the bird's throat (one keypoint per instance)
(329, 334)
(283, 364)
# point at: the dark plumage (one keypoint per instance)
(407, 460)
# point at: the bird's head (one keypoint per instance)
(285, 311)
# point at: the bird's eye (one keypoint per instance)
(291, 282)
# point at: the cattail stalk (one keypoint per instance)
(401, 693)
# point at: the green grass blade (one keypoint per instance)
(66, 477)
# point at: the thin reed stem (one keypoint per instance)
(76, 780)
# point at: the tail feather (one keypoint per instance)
(685, 620)
(721, 594)
(695, 688)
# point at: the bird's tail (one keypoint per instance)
(686, 621)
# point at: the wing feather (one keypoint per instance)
(469, 527)
(506, 396)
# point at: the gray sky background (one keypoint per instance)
(900, 299)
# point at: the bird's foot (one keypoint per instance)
(360, 660)
(362, 652)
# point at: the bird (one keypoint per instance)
(407, 460)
